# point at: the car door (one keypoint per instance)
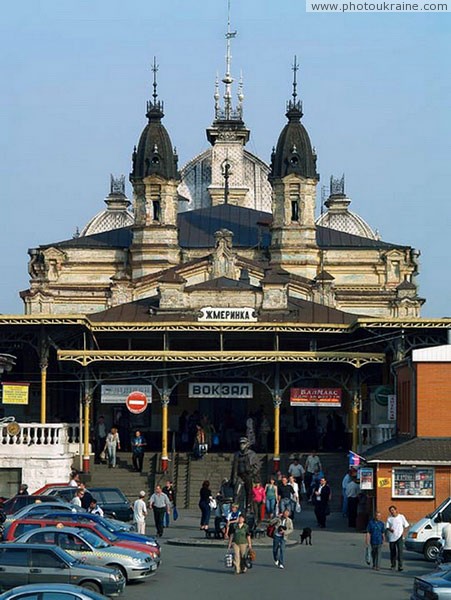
(47, 567)
(77, 548)
(13, 567)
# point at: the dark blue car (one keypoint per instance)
(113, 526)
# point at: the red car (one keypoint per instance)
(42, 490)
(20, 526)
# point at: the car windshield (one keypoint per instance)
(93, 540)
(447, 575)
(106, 533)
(112, 524)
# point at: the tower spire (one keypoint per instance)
(228, 113)
(154, 71)
(154, 106)
(295, 68)
(294, 106)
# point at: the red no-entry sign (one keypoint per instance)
(136, 402)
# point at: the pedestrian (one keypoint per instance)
(352, 494)
(170, 493)
(271, 493)
(241, 543)
(74, 480)
(200, 447)
(285, 493)
(312, 468)
(87, 496)
(77, 499)
(95, 509)
(265, 428)
(446, 537)
(23, 490)
(374, 537)
(232, 520)
(160, 504)
(344, 483)
(138, 443)
(321, 498)
(295, 498)
(112, 445)
(140, 513)
(395, 526)
(205, 496)
(283, 527)
(99, 438)
(297, 470)
(258, 501)
(250, 429)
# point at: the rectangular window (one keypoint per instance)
(413, 483)
(13, 557)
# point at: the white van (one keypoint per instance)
(425, 535)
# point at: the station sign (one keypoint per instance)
(118, 394)
(205, 389)
(228, 313)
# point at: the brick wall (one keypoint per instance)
(433, 399)
(412, 509)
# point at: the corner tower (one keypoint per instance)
(154, 178)
(294, 179)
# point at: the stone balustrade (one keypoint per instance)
(44, 452)
(371, 435)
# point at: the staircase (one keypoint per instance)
(123, 476)
(189, 474)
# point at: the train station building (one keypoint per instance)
(221, 289)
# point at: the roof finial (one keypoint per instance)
(155, 106)
(294, 106)
(154, 71)
(295, 68)
(228, 79)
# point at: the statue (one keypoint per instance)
(245, 472)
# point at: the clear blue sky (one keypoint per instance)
(76, 76)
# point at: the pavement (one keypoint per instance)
(185, 531)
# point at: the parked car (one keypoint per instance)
(90, 548)
(424, 535)
(112, 500)
(15, 503)
(112, 525)
(436, 586)
(42, 490)
(22, 564)
(50, 591)
(21, 526)
(41, 508)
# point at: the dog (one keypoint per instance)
(307, 536)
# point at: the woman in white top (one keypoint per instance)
(112, 444)
(295, 495)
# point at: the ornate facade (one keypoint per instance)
(226, 212)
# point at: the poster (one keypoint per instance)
(391, 407)
(15, 393)
(366, 478)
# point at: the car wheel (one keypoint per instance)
(119, 568)
(431, 550)
(91, 585)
